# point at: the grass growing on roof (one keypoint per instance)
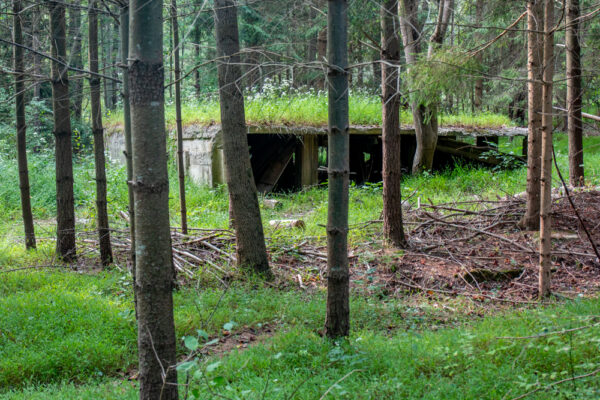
(309, 109)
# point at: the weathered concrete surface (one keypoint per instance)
(202, 147)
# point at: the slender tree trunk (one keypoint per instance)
(425, 118)
(393, 229)
(251, 249)
(411, 39)
(154, 263)
(103, 41)
(574, 94)
(479, 81)
(76, 60)
(65, 205)
(124, 27)
(197, 58)
(321, 56)
(107, 50)
(546, 180)
(337, 322)
(535, 18)
(35, 45)
(22, 127)
(114, 70)
(98, 131)
(178, 122)
(170, 63)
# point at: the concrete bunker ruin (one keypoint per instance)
(291, 157)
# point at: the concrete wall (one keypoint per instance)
(202, 152)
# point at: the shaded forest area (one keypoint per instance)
(299, 199)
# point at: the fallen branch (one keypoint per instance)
(483, 232)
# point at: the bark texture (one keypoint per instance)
(535, 25)
(337, 322)
(124, 26)
(98, 132)
(197, 35)
(546, 179)
(574, 94)
(479, 81)
(154, 264)
(178, 121)
(65, 206)
(76, 60)
(22, 127)
(393, 229)
(251, 249)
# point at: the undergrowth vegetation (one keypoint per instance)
(70, 334)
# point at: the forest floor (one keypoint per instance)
(454, 316)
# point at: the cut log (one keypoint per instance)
(486, 275)
(287, 223)
(584, 115)
(271, 203)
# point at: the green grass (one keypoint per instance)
(60, 325)
(309, 109)
(459, 363)
(391, 357)
(66, 335)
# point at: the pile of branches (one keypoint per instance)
(476, 248)
(472, 248)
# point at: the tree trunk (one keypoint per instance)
(425, 118)
(76, 60)
(321, 56)
(98, 131)
(114, 71)
(35, 45)
(574, 94)
(170, 62)
(393, 229)
(479, 81)
(107, 51)
(22, 127)
(546, 180)
(535, 18)
(124, 27)
(65, 205)
(154, 264)
(178, 122)
(337, 322)
(251, 249)
(197, 58)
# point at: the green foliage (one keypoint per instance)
(446, 71)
